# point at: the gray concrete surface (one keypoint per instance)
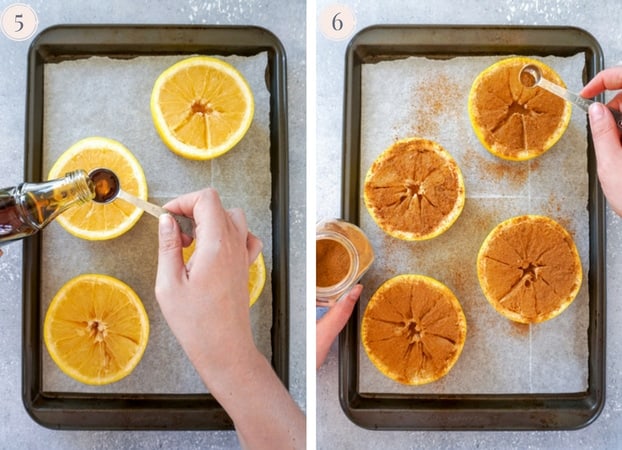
(286, 19)
(600, 18)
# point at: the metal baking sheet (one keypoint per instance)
(173, 401)
(431, 407)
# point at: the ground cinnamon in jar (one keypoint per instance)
(343, 255)
(332, 262)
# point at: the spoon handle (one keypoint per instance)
(186, 224)
(581, 102)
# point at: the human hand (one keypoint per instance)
(330, 325)
(205, 302)
(606, 136)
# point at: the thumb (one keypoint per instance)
(170, 259)
(604, 130)
(329, 326)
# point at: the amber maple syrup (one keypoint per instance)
(106, 185)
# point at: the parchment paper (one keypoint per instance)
(107, 97)
(428, 98)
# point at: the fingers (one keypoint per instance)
(616, 102)
(185, 204)
(608, 153)
(605, 134)
(171, 267)
(238, 219)
(207, 211)
(253, 243)
(214, 222)
(329, 326)
(606, 80)
(205, 207)
(253, 246)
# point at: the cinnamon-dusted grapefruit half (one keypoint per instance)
(512, 121)
(414, 190)
(413, 329)
(529, 268)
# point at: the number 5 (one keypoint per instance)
(19, 22)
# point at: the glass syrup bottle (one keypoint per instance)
(29, 207)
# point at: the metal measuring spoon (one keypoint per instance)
(531, 76)
(108, 188)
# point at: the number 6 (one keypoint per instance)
(337, 23)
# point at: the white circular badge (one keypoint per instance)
(337, 22)
(19, 21)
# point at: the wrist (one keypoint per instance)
(233, 369)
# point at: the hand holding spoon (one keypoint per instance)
(531, 76)
(108, 188)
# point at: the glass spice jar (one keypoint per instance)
(343, 254)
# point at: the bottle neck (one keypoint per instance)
(42, 202)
